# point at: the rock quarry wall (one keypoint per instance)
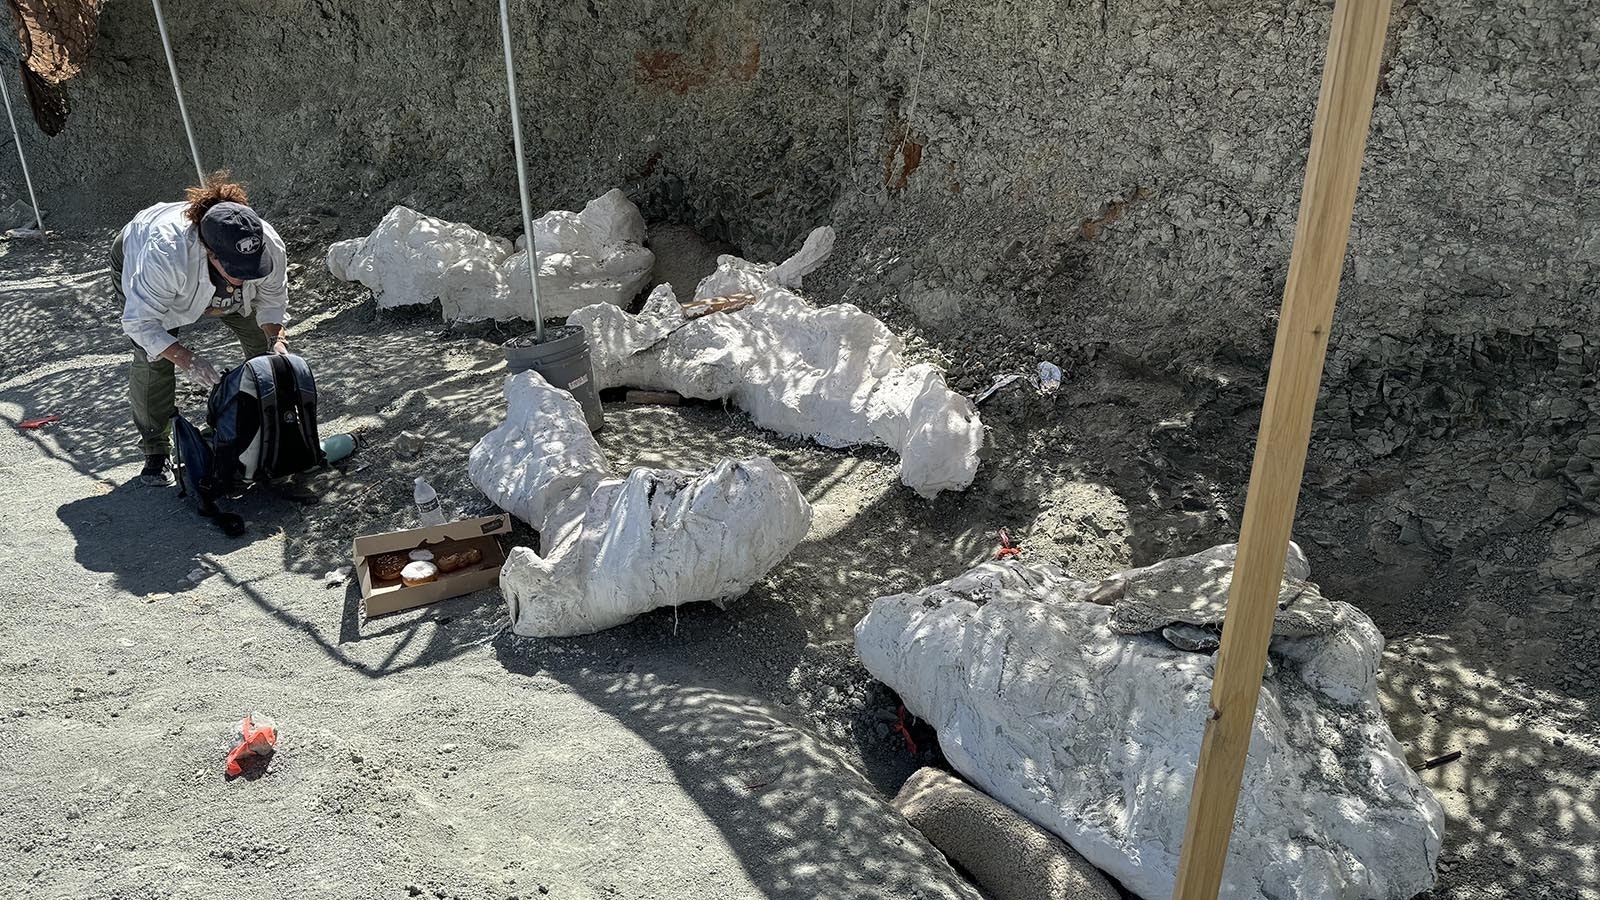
(1088, 173)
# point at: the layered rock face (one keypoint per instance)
(1095, 734)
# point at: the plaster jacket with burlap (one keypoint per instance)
(165, 281)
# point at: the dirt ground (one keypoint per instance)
(691, 753)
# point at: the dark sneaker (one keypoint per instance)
(155, 471)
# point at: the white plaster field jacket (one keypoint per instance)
(165, 281)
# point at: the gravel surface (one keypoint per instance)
(691, 753)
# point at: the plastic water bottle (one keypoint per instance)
(427, 503)
(338, 446)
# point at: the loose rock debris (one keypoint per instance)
(1193, 591)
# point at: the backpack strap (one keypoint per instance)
(266, 382)
(177, 454)
(222, 414)
(196, 464)
(306, 386)
(303, 382)
(263, 372)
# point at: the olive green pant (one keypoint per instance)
(153, 384)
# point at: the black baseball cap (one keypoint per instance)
(236, 235)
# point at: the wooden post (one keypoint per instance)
(1338, 142)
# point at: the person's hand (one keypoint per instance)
(280, 346)
(202, 372)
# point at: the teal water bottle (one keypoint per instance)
(337, 446)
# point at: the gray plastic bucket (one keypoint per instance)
(563, 360)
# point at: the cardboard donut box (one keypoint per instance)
(382, 597)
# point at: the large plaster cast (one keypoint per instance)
(616, 548)
(593, 256)
(404, 260)
(833, 374)
(1095, 735)
(542, 454)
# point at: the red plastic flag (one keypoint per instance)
(258, 738)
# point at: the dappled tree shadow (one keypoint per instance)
(1521, 801)
(802, 820)
(777, 701)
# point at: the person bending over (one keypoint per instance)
(176, 264)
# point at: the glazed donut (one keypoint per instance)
(419, 572)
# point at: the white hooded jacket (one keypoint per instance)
(165, 281)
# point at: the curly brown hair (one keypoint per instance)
(218, 187)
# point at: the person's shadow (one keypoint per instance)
(148, 537)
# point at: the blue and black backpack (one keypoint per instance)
(263, 425)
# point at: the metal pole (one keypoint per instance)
(522, 173)
(38, 217)
(177, 89)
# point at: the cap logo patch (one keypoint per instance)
(248, 244)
